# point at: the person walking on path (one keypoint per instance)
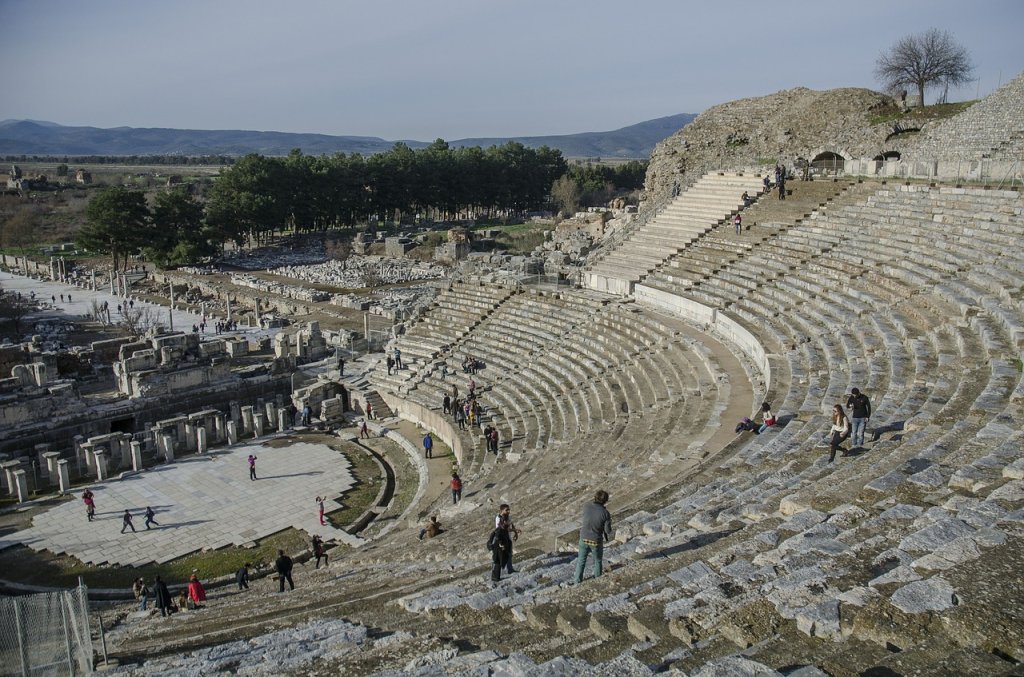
(500, 546)
(364, 431)
(126, 521)
(391, 364)
(283, 566)
(320, 506)
(252, 467)
(150, 514)
(446, 404)
(398, 359)
(840, 430)
(428, 445)
(595, 530)
(861, 406)
(456, 488)
(242, 577)
(196, 592)
(90, 504)
(164, 601)
(369, 411)
(319, 552)
(503, 520)
(141, 592)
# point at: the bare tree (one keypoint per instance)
(138, 321)
(566, 194)
(923, 60)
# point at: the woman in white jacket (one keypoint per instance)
(840, 430)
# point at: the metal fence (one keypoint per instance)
(46, 634)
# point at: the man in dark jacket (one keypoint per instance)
(242, 577)
(283, 565)
(595, 530)
(163, 597)
(500, 546)
(861, 412)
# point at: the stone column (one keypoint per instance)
(246, 419)
(126, 449)
(282, 420)
(168, 448)
(51, 458)
(271, 411)
(136, 453)
(181, 430)
(218, 428)
(190, 436)
(21, 485)
(39, 451)
(234, 412)
(201, 439)
(232, 433)
(63, 475)
(76, 443)
(94, 279)
(8, 468)
(257, 425)
(87, 455)
(101, 463)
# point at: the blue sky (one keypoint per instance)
(422, 69)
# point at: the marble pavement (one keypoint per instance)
(201, 502)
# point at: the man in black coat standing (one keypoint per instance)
(163, 597)
(283, 565)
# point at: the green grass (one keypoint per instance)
(918, 116)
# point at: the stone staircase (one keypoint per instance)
(991, 128)
(712, 199)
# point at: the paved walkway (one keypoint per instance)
(201, 502)
(81, 306)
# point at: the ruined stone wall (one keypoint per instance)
(56, 421)
(761, 131)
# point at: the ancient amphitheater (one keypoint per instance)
(734, 554)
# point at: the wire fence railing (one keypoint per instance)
(46, 634)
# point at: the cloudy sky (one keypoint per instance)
(423, 69)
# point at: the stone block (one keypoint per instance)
(819, 620)
(572, 620)
(606, 625)
(647, 625)
(542, 616)
(791, 505)
(934, 594)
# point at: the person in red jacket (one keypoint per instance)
(196, 592)
(456, 488)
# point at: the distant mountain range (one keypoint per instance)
(35, 137)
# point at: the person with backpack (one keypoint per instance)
(141, 592)
(456, 488)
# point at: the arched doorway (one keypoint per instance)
(882, 158)
(828, 163)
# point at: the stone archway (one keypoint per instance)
(886, 156)
(828, 163)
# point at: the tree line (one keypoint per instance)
(257, 196)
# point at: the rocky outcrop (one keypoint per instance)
(780, 127)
